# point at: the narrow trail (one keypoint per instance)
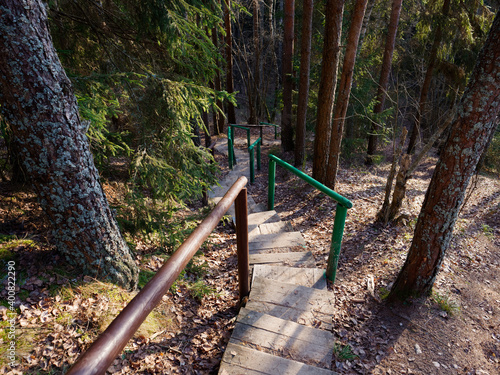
(285, 326)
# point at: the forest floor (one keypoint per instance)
(59, 313)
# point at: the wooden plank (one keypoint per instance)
(240, 360)
(263, 217)
(288, 339)
(268, 228)
(310, 277)
(306, 306)
(291, 259)
(275, 240)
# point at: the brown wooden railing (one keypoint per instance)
(112, 341)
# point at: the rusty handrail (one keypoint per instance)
(111, 342)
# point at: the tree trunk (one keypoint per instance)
(256, 62)
(218, 118)
(286, 117)
(477, 114)
(424, 91)
(305, 63)
(38, 101)
(327, 86)
(366, 21)
(344, 92)
(406, 170)
(231, 113)
(383, 214)
(384, 75)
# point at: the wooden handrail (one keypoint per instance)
(111, 342)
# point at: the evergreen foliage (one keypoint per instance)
(141, 73)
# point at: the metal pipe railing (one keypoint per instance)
(112, 341)
(230, 149)
(343, 204)
(269, 124)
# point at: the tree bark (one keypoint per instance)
(305, 63)
(257, 58)
(384, 75)
(383, 214)
(231, 113)
(327, 86)
(38, 101)
(470, 132)
(344, 92)
(366, 21)
(218, 118)
(286, 117)
(424, 91)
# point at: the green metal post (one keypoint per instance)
(248, 137)
(338, 232)
(271, 187)
(252, 165)
(230, 151)
(258, 154)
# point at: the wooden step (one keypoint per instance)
(295, 259)
(263, 217)
(268, 228)
(239, 360)
(284, 338)
(310, 277)
(307, 306)
(276, 240)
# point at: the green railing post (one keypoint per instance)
(252, 166)
(252, 159)
(338, 232)
(258, 154)
(271, 186)
(230, 150)
(248, 137)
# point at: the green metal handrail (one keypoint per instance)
(252, 163)
(230, 150)
(230, 142)
(275, 128)
(241, 127)
(343, 204)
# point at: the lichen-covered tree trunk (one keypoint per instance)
(305, 63)
(37, 100)
(327, 86)
(286, 117)
(344, 92)
(477, 114)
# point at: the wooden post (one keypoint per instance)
(242, 243)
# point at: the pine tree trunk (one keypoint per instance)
(256, 62)
(477, 114)
(344, 92)
(366, 21)
(327, 86)
(231, 113)
(38, 101)
(218, 118)
(384, 74)
(424, 91)
(305, 62)
(286, 117)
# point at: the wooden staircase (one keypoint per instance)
(285, 327)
